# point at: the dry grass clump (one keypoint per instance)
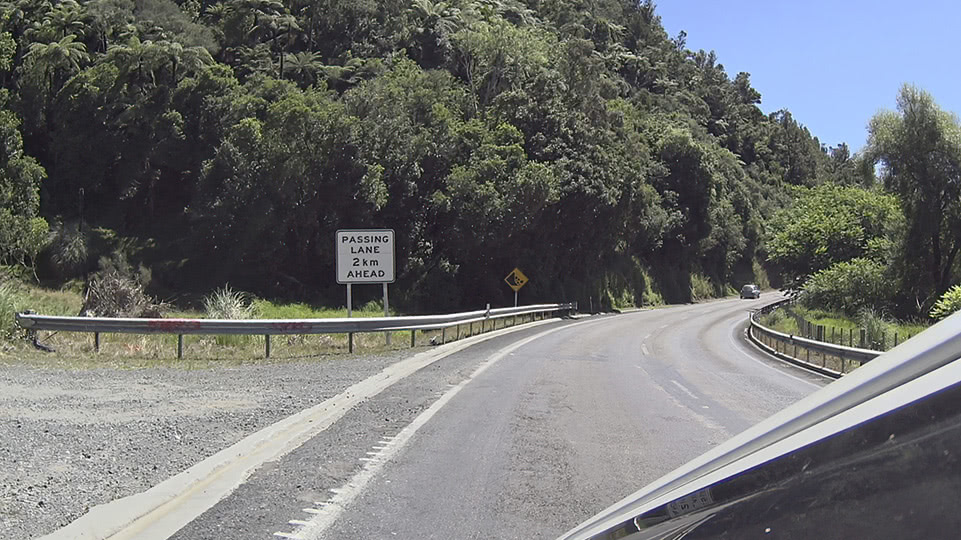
(112, 294)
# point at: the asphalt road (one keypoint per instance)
(506, 441)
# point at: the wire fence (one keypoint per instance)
(873, 337)
(819, 355)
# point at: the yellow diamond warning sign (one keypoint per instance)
(516, 279)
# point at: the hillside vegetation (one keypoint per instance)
(211, 143)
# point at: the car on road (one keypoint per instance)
(750, 291)
(874, 455)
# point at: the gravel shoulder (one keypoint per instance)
(72, 439)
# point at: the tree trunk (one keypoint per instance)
(945, 280)
(936, 259)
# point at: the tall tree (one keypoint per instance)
(22, 232)
(831, 224)
(919, 150)
(56, 60)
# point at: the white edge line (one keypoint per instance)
(323, 519)
(739, 348)
(684, 388)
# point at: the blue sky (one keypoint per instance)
(833, 64)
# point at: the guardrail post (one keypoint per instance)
(843, 362)
(266, 345)
(413, 337)
(96, 341)
(456, 332)
(443, 335)
(350, 342)
(180, 346)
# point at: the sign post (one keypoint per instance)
(386, 312)
(365, 256)
(350, 335)
(516, 279)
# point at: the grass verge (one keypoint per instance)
(135, 351)
(880, 333)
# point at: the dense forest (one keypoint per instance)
(209, 143)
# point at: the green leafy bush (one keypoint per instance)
(701, 287)
(949, 302)
(760, 275)
(849, 287)
(69, 250)
(774, 318)
(830, 224)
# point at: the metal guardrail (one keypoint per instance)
(786, 346)
(269, 327)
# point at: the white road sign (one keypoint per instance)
(365, 256)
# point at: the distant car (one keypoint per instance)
(750, 291)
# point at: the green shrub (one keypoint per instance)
(69, 250)
(652, 298)
(849, 287)
(373, 306)
(22, 238)
(949, 302)
(651, 293)
(622, 299)
(760, 275)
(701, 287)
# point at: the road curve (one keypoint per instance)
(523, 436)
